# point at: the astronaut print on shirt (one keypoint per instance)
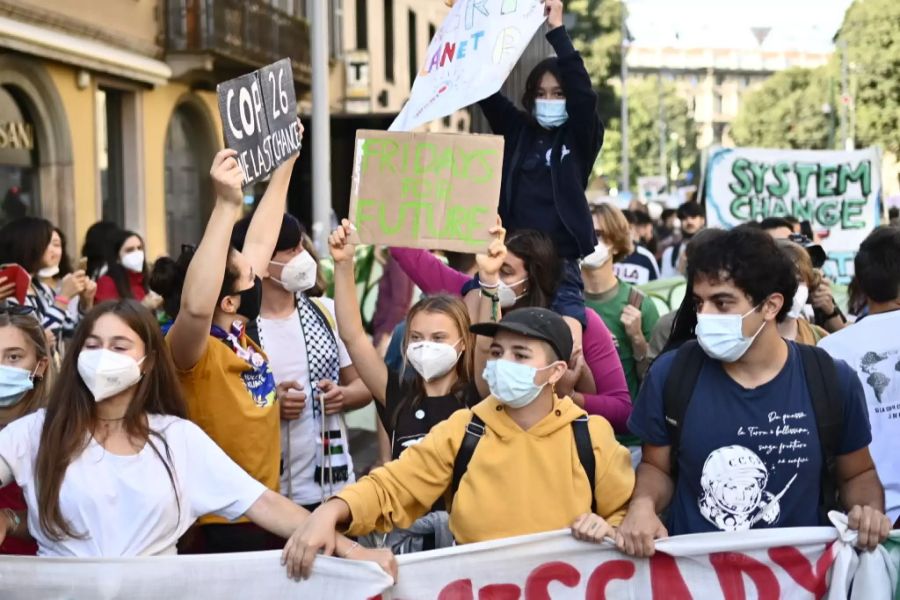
(734, 495)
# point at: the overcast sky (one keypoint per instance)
(795, 24)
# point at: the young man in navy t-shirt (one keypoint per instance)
(749, 455)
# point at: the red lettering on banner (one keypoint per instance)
(500, 591)
(800, 568)
(732, 566)
(539, 580)
(461, 589)
(606, 572)
(666, 580)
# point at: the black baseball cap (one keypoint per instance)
(535, 323)
(289, 235)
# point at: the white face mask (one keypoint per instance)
(299, 273)
(799, 303)
(507, 295)
(48, 272)
(598, 257)
(432, 359)
(133, 261)
(106, 373)
(722, 336)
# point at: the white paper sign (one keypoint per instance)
(471, 55)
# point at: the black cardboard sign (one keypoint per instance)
(259, 117)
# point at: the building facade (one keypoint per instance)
(108, 110)
(714, 80)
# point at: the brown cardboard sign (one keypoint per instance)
(426, 190)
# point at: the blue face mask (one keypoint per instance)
(512, 383)
(14, 384)
(550, 113)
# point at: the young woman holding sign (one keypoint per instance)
(438, 347)
(212, 293)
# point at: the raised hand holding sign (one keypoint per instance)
(259, 117)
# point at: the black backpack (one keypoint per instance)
(824, 390)
(475, 431)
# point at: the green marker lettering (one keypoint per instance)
(740, 208)
(803, 171)
(824, 181)
(739, 171)
(862, 174)
(759, 176)
(780, 171)
(850, 210)
(828, 213)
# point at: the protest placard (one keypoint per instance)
(470, 57)
(425, 190)
(838, 192)
(259, 117)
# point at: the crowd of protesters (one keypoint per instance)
(531, 387)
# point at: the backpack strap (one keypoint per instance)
(474, 433)
(824, 391)
(586, 455)
(677, 392)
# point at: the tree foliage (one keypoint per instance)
(787, 111)
(597, 35)
(644, 133)
(871, 30)
(792, 109)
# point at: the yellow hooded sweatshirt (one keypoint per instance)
(518, 482)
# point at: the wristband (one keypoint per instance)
(486, 286)
(495, 304)
(61, 299)
(350, 549)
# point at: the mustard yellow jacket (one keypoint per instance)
(518, 482)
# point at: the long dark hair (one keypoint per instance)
(114, 268)
(542, 264)
(72, 411)
(23, 241)
(167, 279)
(95, 245)
(533, 82)
(65, 263)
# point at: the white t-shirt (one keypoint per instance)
(872, 347)
(126, 504)
(667, 268)
(284, 344)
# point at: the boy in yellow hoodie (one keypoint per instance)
(525, 475)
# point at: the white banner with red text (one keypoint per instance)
(800, 563)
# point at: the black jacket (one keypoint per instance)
(582, 137)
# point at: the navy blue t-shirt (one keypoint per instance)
(749, 458)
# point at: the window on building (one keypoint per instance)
(18, 165)
(720, 79)
(110, 159)
(389, 40)
(718, 132)
(412, 27)
(717, 103)
(362, 34)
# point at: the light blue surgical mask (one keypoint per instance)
(722, 336)
(550, 113)
(14, 384)
(512, 383)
